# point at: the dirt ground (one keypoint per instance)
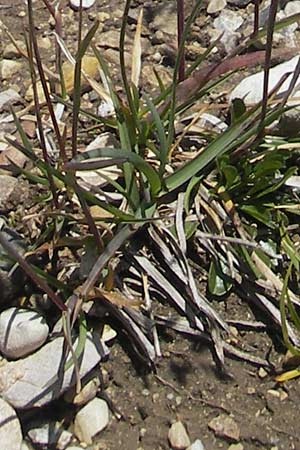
(186, 386)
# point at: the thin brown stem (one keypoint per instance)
(77, 73)
(256, 17)
(12, 252)
(180, 28)
(42, 74)
(270, 31)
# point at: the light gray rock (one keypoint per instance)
(8, 68)
(85, 4)
(250, 89)
(8, 97)
(292, 7)
(264, 12)
(225, 427)
(228, 21)
(7, 186)
(49, 435)
(178, 437)
(10, 428)
(21, 332)
(39, 378)
(215, 6)
(226, 26)
(90, 420)
(196, 445)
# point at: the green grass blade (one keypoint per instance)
(163, 150)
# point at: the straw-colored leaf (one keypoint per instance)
(289, 375)
(137, 52)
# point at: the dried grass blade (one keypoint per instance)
(142, 343)
(169, 290)
(179, 222)
(246, 290)
(192, 292)
(136, 62)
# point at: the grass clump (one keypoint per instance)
(131, 237)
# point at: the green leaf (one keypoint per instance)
(231, 176)
(278, 184)
(237, 109)
(217, 284)
(259, 212)
(82, 162)
(226, 141)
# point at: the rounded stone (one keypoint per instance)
(178, 436)
(85, 4)
(21, 332)
(90, 420)
(10, 429)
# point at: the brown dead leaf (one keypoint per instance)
(116, 298)
(89, 67)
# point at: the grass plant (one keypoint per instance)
(229, 199)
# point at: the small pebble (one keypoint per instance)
(155, 397)
(238, 446)
(90, 420)
(262, 373)
(85, 4)
(178, 400)
(196, 445)
(251, 390)
(178, 437)
(170, 396)
(224, 426)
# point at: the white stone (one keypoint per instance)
(8, 97)
(178, 437)
(85, 4)
(229, 21)
(292, 7)
(21, 332)
(215, 6)
(36, 380)
(10, 429)
(8, 68)
(49, 435)
(90, 420)
(250, 89)
(196, 445)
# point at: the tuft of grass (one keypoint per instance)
(228, 200)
